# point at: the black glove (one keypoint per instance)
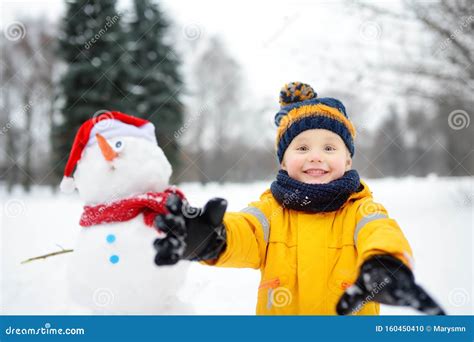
(386, 280)
(192, 233)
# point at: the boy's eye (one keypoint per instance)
(329, 148)
(302, 148)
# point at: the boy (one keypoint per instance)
(322, 244)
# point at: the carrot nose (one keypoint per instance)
(107, 151)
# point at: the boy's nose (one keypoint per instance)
(315, 157)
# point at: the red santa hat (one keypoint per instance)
(108, 125)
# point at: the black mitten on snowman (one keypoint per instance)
(191, 233)
(386, 280)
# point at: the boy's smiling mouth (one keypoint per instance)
(314, 172)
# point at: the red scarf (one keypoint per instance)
(150, 205)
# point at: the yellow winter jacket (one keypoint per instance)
(308, 260)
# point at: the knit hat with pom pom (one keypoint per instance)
(301, 109)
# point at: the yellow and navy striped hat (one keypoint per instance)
(301, 109)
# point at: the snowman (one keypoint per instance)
(122, 177)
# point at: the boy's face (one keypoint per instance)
(316, 156)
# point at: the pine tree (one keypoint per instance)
(92, 43)
(156, 82)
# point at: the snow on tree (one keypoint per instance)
(92, 43)
(155, 82)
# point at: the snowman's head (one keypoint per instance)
(114, 168)
(115, 155)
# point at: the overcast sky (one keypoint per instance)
(322, 43)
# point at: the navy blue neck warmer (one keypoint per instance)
(314, 198)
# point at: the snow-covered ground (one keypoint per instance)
(435, 213)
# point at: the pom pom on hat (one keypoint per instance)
(67, 185)
(296, 92)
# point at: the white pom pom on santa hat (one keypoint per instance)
(120, 125)
(67, 185)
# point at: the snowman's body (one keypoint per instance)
(112, 269)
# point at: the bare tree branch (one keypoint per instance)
(448, 34)
(64, 251)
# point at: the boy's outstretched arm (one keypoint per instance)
(385, 265)
(236, 240)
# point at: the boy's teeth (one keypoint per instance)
(316, 172)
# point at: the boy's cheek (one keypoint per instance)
(289, 164)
